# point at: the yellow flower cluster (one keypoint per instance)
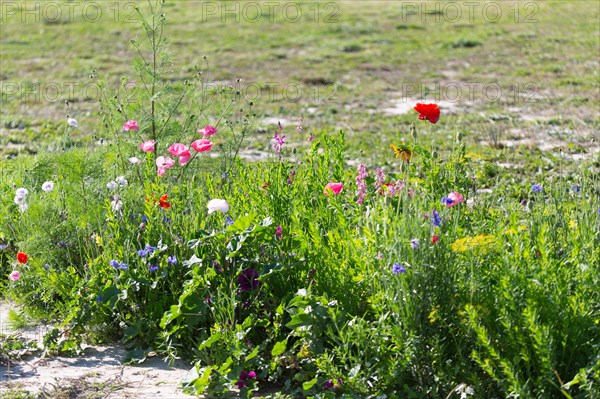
(481, 243)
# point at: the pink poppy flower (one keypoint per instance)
(208, 131)
(184, 157)
(15, 275)
(131, 125)
(163, 164)
(335, 188)
(134, 160)
(201, 145)
(177, 149)
(147, 146)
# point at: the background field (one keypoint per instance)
(513, 74)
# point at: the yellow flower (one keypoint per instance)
(480, 243)
(403, 152)
(573, 224)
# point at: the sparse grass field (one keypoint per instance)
(466, 266)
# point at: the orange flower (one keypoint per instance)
(403, 152)
(431, 112)
(163, 202)
(22, 257)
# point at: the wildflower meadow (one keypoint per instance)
(312, 272)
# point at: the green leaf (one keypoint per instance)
(253, 354)
(211, 340)
(279, 348)
(299, 320)
(309, 384)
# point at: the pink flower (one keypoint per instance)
(134, 160)
(177, 149)
(163, 164)
(181, 151)
(201, 145)
(184, 157)
(131, 125)
(335, 188)
(208, 131)
(147, 146)
(15, 275)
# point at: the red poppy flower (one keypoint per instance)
(163, 202)
(435, 239)
(431, 112)
(22, 257)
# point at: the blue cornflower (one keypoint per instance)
(142, 253)
(398, 268)
(3, 247)
(144, 219)
(47, 266)
(536, 188)
(414, 243)
(576, 188)
(99, 298)
(114, 263)
(172, 260)
(436, 219)
(152, 268)
(123, 266)
(447, 201)
(228, 220)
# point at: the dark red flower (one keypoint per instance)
(435, 239)
(22, 257)
(431, 112)
(163, 202)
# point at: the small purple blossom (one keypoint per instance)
(436, 219)
(152, 268)
(172, 260)
(361, 184)
(291, 176)
(380, 178)
(279, 140)
(536, 188)
(447, 201)
(279, 232)
(99, 298)
(398, 268)
(228, 220)
(3, 247)
(576, 188)
(248, 280)
(244, 377)
(114, 263)
(414, 243)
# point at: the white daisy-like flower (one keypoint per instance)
(72, 122)
(121, 181)
(19, 200)
(116, 205)
(23, 207)
(111, 185)
(48, 186)
(22, 192)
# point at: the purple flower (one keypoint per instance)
(576, 188)
(172, 260)
(3, 247)
(436, 219)
(328, 384)
(123, 266)
(380, 178)
(398, 268)
(414, 243)
(361, 184)
(144, 219)
(279, 232)
(152, 268)
(228, 220)
(248, 280)
(99, 298)
(245, 376)
(114, 263)
(536, 188)
(447, 201)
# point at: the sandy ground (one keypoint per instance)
(97, 374)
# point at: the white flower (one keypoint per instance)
(111, 185)
(48, 186)
(72, 122)
(116, 205)
(464, 390)
(217, 205)
(23, 207)
(121, 181)
(22, 192)
(134, 160)
(19, 200)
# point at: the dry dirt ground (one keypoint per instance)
(99, 373)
